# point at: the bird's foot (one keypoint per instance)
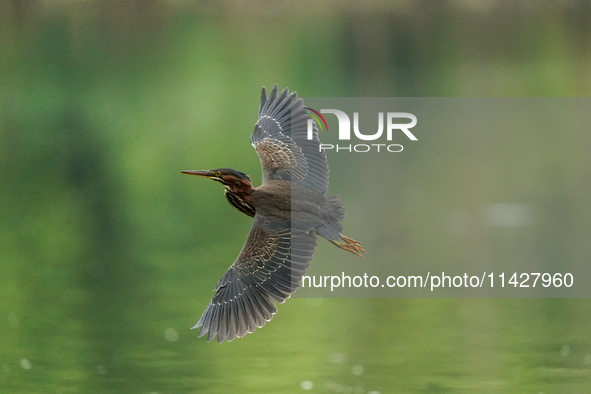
(350, 245)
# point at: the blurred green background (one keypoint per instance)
(108, 256)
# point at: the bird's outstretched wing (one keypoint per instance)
(280, 139)
(273, 260)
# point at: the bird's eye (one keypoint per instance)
(217, 173)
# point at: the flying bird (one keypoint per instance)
(289, 210)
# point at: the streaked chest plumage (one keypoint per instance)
(239, 201)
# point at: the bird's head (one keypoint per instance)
(228, 177)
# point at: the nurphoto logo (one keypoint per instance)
(392, 126)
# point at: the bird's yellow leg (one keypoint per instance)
(348, 244)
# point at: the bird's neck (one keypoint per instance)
(241, 199)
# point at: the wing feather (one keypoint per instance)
(280, 138)
(269, 268)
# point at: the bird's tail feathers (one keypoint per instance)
(332, 212)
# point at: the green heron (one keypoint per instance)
(289, 209)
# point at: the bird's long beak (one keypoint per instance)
(206, 173)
